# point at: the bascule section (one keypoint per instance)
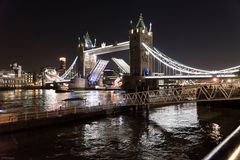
(123, 66)
(95, 74)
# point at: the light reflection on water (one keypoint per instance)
(32, 100)
(177, 116)
(172, 132)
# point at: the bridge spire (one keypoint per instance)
(131, 24)
(140, 23)
(150, 27)
(87, 41)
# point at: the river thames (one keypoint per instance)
(184, 131)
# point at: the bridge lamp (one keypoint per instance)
(62, 59)
(229, 80)
(215, 79)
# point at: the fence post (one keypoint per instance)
(75, 109)
(25, 116)
(37, 115)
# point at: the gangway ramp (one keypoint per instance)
(95, 73)
(125, 68)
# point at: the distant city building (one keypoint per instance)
(62, 63)
(15, 77)
(16, 68)
(62, 67)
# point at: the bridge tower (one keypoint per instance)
(81, 59)
(140, 59)
(86, 62)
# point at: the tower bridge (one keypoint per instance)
(147, 65)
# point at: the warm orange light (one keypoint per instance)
(62, 59)
(229, 81)
(215, 79)
(235, 154)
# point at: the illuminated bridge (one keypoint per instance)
(146, 61)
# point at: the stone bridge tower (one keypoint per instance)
(86, 62)
(140, 59)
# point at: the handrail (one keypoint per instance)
(227, 149)
(25, 116)
(193, 93)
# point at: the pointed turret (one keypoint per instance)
(95, 43)
(140, 61)
(140, 23)
(131, 24)
(88, 42)
(150, 27)
(79, 42)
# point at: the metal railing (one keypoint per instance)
(229, 148)
(63, 111)
(192, 93)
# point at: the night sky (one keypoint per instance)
(199, 33)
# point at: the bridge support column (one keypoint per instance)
(81, 60)
(140, 60)
(139, 83)
(86, 62)
(90, 62)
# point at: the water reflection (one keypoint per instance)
(172, 132)
(40, 100)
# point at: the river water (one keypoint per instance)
(185, 131)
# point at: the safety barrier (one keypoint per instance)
(62, 111)
(229, 148)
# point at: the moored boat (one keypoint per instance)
(62, 88)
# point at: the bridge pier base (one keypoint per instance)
(139, 83)
(220, 103)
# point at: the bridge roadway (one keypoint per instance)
(108, 49)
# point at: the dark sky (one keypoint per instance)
(199, 33)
